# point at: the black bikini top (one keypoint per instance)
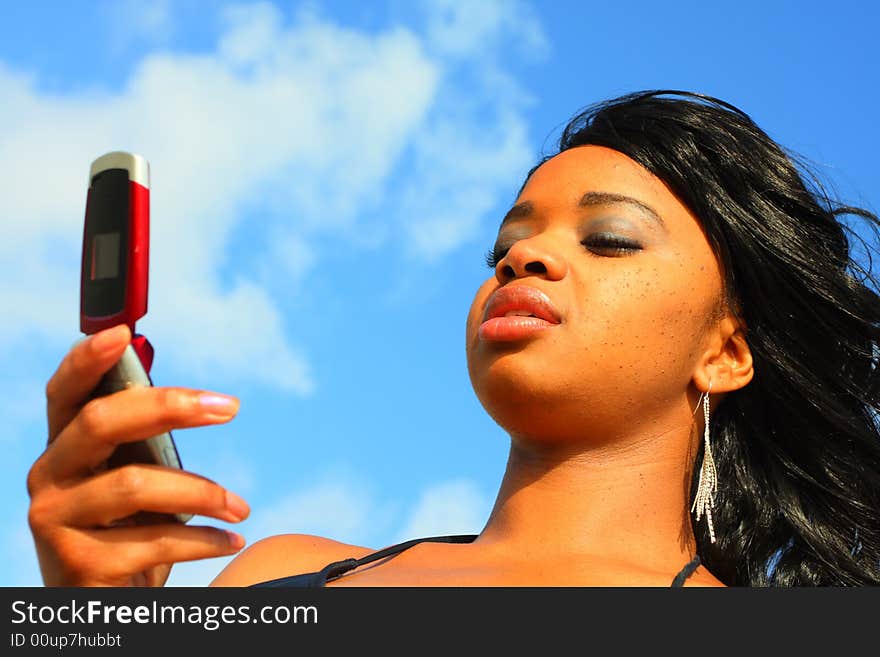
(337, 569)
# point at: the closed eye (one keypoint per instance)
(602, 244)
(613, 243)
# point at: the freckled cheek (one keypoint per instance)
(645, 321)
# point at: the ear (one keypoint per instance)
(727, 361)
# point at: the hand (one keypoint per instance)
(81, 514)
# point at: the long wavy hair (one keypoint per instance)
(797, 450)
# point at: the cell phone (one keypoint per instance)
(113, 290)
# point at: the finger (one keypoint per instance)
(79, 374)
(114, 555)
(127, 416)
(106, 498)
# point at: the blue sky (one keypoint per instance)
(326, 179)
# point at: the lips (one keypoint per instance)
(521, 300)
(517, 313)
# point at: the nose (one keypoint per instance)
(532, 256)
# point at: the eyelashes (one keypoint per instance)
(602, 245)
(493, 256)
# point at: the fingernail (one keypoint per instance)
(236, 506)
(220, 404)
(236, 541)
(108, 340)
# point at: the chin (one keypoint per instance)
(522, 405)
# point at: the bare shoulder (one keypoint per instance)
(283, 555)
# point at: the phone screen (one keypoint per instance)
(105, 256)
(106, 244)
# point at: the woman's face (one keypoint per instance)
(632, 284)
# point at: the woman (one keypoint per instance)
(674, 335)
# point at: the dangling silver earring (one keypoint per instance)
(708, 484)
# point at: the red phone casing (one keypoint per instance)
(137, 264)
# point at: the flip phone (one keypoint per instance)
(114, 286)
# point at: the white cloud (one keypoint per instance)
(291, 257)
(217, 137)
(458, 171)
(452, 507)
(232, 336)
(337, 508)
(137, 21)
(285, 131)
(468, 28)
(346, 507)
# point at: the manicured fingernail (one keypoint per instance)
(219, 404)
(236, 506)
(108, 340)
(236, 541)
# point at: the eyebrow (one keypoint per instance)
(525, 209)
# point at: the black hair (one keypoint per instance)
(797, 450)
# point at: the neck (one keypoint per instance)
(626, 501)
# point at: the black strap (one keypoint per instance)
(686, 572)
(339, 568)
